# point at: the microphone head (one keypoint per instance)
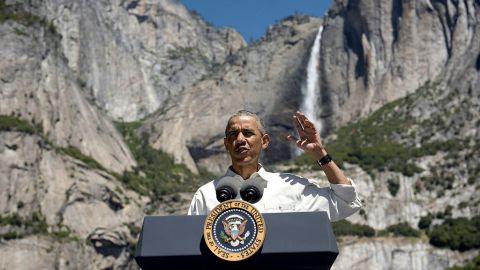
(252, 190)
(227, 188)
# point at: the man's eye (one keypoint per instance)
(232, 134)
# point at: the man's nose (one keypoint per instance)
(240, 138)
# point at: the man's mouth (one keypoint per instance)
(241, 149)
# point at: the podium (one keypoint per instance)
(302, 240)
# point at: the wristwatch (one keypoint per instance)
(324, 160)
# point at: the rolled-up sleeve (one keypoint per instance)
(338, 200)
(344, 201)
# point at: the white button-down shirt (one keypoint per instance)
(285, 192)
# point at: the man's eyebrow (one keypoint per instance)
(234, 130)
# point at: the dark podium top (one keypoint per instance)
(292, 241)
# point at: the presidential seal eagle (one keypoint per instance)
(234, 227)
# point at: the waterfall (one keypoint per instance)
(310, 91)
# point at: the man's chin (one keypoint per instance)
(241, 161)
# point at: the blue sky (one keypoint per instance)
(252, 17)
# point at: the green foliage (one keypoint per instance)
(14, 123)
(132, 247)
(11, 235)
(51, 27)
(129, 132)
(15, 13)
(472, 179)
(156, 174)
(199, 16)
(472, 265)
(36, 223)
(436, 146)
(13, 220)
(403, 229)
(63, 233)
(393, 186)
(462, 205)
(370, 142)
(457, 234)
(20, 32)
(134, 181)
(22, 226)
(77, 154)
(425, 221)
(383, 140)
(134, 229)
(20, 205)
(345, 227)
(180, 52)
(447, 213)
(438, 180)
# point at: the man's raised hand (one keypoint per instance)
(309, 140)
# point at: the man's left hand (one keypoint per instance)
(310, 140)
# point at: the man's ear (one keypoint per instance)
(225, 143)
(265, 141)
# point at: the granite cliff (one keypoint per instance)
(398, 97)
(376, 51)
(164, 49)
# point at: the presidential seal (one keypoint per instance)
(234, 230)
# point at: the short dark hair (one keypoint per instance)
(259, 120)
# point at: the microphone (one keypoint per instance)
(252, 190)
(227, 188)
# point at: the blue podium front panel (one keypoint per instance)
(293, 241)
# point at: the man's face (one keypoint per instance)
(244, 141)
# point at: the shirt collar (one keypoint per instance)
(261, 172)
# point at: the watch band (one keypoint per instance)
(324, 160)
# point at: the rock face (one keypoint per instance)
(37, 85)
(72, 201)
(133, 56)
(445, 112)
(264, 78)
(38, 252)
(395, 253)
(49, 195)
(376, 51)
(371, 53)
(69, 67)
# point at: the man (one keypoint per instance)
(245, 138)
